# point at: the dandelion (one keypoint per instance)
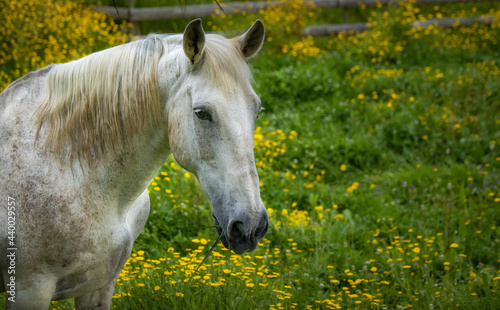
(338, 217)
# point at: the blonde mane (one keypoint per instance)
(97, 103)
(92, 103)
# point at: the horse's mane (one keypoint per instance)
(96, 103)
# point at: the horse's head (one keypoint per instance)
(211, 118)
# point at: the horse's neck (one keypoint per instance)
(127, 172)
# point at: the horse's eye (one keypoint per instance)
(203, 115)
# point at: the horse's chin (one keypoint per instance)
(224, 241)
(219, 230)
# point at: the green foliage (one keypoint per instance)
(37, 33)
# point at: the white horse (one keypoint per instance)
(81, 141)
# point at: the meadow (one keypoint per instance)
(378, 156)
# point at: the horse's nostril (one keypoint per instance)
(236, 230)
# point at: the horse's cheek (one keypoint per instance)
(179, 144)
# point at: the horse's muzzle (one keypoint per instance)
(241, 235)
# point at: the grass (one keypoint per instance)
(378, 166)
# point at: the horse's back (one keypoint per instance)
(18, 103)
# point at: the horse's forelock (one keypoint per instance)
(224, 64)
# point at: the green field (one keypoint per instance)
(378, 156)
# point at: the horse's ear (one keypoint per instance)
(251, 41)
(193, 40)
